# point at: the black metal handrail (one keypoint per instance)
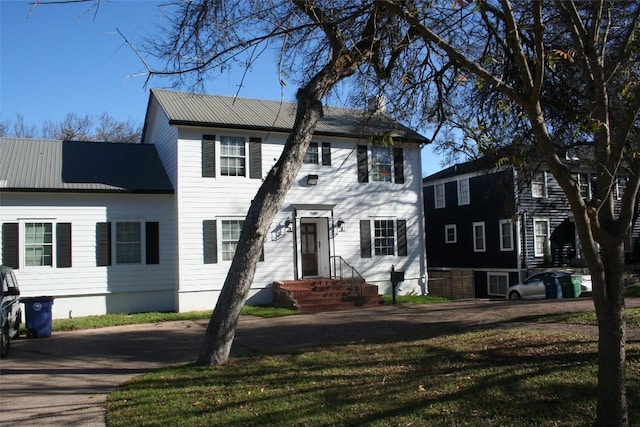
(347, 273)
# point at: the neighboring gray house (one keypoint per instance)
(109, 228)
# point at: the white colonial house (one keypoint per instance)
(107, 228)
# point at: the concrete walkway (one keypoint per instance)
(64, 380)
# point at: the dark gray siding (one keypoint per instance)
(491, 200)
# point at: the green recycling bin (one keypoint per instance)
(570, 286)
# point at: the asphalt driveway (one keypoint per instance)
(65, 379)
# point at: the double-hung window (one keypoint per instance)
(232, 156)
(383, 237)
(506, 235)
(438, 195)
(383, 240)
(479, 242)
(128, 243)
(38, 245)
(312, 154)
(541, 237)
(539, 185)
(450, 233)
(381, 164)
(463, 191)
(230, 235)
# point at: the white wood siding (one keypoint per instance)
(85, 288)
(228, 197)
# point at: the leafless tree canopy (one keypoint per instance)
(103, 128)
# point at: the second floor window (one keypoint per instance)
(438, 190)
(232, 156)
(463, 191)
(312, 153)
(539, 185)
(381, 164)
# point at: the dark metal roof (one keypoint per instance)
(193, 109)
(476, 165)
(54, 165)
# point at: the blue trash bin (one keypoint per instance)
(38, 316)
(550, 288)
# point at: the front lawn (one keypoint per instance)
(497, 377)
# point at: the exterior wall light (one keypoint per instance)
(288, 224)
(312, 179)
(340, 224)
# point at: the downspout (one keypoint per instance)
(421, 227)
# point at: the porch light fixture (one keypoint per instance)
(288, 224)
(312, 179)
(340, 224)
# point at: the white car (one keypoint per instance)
(544, 285)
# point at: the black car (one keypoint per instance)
(11, 310)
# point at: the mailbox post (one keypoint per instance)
(396, 277)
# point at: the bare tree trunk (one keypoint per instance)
(610, 309)
(220, 332)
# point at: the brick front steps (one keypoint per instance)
(316, 295)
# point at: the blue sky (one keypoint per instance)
(60, 59)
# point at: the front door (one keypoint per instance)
(309, 240)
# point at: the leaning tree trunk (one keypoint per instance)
(610, 309)
(220, 332)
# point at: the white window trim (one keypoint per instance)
(489, 275)
(435, 196)
(511, 239)
(391, 165)
(114, 240)
(539, 252)
(461, 194)
(544, 186)
(455, 233)
(218, 157)
(220, 239)
(22, 247)
(393, 236)
(484, 237)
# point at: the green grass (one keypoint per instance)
(107, 320)
(481, 378)
(414, 299)
(581, 318)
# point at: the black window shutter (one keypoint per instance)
(363, 166)
(208, 156)
(365, 239)
(326, 154)
(255, 158)
(398, 165)
(63, 245)
(401, 224)
(152, 234)
(103, 244)
(210, 241)
(10, 251)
